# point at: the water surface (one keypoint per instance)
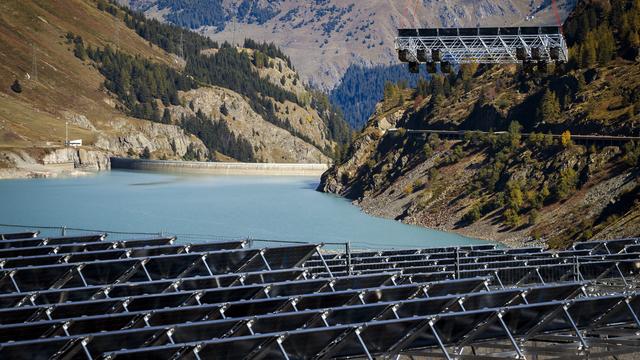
(284, 208)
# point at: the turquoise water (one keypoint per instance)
(257, 207)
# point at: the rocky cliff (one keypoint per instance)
(270, 143)
(130, 138)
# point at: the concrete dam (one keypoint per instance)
(220, 168)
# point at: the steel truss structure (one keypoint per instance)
(89, 298)
(510, 45)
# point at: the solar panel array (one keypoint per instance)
(87, 297)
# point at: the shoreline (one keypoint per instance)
(475, 232)
(41, 172)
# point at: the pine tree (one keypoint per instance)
(588, 52)
(79, 51)
(514, 134)
(549, 108)
(606, 45)
(166, 116)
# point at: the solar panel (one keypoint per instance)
(142, 298)
(19, 235)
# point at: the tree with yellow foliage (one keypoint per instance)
(566, 139)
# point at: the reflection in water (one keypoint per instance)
(257, 207)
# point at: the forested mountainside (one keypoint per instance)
(325, 37)
(361, 88)
(130, 86)
(533, 181)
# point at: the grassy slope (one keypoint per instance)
(34, 117)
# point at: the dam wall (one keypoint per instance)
(219, 168)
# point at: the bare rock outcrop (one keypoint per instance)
(168, 141)
(270, 142)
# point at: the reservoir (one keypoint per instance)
(273, 208)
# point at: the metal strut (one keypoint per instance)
(266, 263)
(323, 262)
(513, 341)
(575, 328)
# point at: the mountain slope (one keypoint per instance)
(110, 75)
(522, 183)
(57, 88)
(325, 37)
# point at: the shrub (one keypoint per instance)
(408, 190)
(434, 140)
(567, 183)
(473, 215)
(427, 150)
(146, 153)
(512, 218)
(534, 216)
(16, 87)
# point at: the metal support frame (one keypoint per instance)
(583, 343)
(484, 49)
(513, 341)
(362, 343)
(326, 266)
(264, 259)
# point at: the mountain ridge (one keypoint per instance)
(325, 37)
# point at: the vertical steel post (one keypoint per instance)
(348, 255)
(457, 263)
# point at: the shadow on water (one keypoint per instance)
(310, 185)
(152, 183)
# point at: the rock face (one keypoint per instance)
(127, 137)
(78, 120)
(81, 158)
(363, 149)
(270, 143)
(168, 141)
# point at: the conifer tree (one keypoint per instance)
(166, 116)
(606, 45)
(549, 108)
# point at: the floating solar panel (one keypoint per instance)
(19, 235)
(88, 297)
